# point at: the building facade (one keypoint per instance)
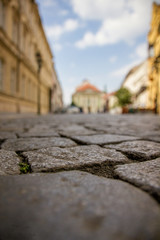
(136, 82)
(57, 95)
(26, 65)
(89, 98)
(154, 60)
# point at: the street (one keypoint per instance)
(80, 176)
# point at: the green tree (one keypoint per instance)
(124, 97)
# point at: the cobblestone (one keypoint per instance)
(9, 163)
(27, 144)
(91, 158)
(102, 139)
(113, 194)
(145, 175)
(138, 150)
(75, 205)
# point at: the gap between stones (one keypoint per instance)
(104, 169)
(25, 166)
(144, 189)
(1, 142)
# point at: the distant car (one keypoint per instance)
(73, 109)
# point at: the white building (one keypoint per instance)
(136, 82)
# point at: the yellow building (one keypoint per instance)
(26, 66)
(154, 60)
(89, 98)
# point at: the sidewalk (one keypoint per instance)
(80, 177)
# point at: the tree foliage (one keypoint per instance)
(124, 96)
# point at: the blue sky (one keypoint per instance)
(98, 40)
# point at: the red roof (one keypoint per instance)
(86, 86)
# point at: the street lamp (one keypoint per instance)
(39, 63)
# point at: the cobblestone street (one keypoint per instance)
(80, 177)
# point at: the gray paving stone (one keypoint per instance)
(75, 205)
(6, 135)
(102, 139)
(138, 150)
(73, 130)
(145, 175)
(152, 137)
(9, 163)
(91, 158)
(28, 144)
(44, 133)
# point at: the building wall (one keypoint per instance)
(136, 82)
(57, 95)
(21, 37)
(89, 101)
(154, 60)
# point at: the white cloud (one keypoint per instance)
(113, 59)
(97, 9)
(56, 31)
(123, 21)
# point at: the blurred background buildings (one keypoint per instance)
(28, 80)
(89, 98)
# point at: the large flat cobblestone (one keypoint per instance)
(138, 150)
(75, 205)
(145, 175)
(113, 194)
(27, 144)
(91, 158)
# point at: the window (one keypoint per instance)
(15, 27)
(151, 51)
(13, 83)
(23, 86)
(159, 28)
(1, 74)
(2, 14)
(24, 39)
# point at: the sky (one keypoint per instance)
(98, 40)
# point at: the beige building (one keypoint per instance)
(57, 95)
(89, 98)
(154, 60)
(136, 82)
(22, 38)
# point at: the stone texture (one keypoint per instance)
(145, 175)
(138, 150)
(73, 130)
(9, 163)
(75, 205)
(102, 139)
(28, 144)
(44, 133)
(151, 137)
(6, 135)
(91, 158)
